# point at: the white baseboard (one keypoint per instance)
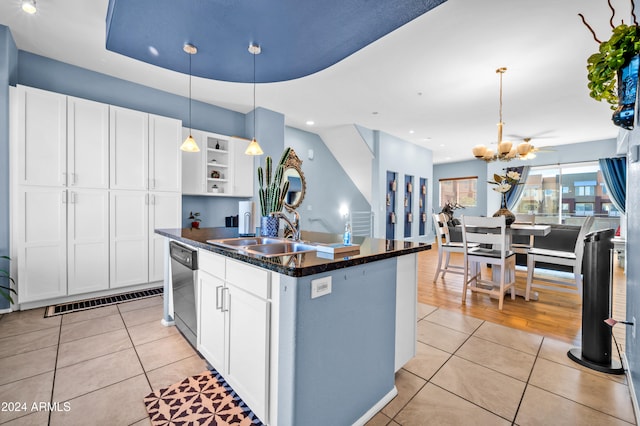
(632, 391)
(5, 311)
(167, 323)
(377, 407)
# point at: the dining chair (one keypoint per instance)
(491, 234)
(559, 257)
(519, 245)
(446, 247)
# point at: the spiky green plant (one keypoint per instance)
(5, 291)
(272, 190)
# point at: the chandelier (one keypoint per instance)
(506, 151)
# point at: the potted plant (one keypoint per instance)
(195, 219)
(6, 290)
(613, 70)
(272, 190)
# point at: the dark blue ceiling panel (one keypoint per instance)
(297, 37)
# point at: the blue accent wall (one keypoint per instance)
(328, 185)
(333, 350)
(8, 72)
(397, 155)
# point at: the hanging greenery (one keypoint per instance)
(613, 54)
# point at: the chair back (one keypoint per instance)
(485, 230)
(442, 230)
(579, 247)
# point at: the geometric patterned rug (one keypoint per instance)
(204, 399)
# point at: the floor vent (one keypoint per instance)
(81, 305)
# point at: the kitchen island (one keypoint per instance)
(307, 338)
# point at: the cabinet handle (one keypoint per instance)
(64, 178)
(73, 197)
(224, 299)
(146, 199)
(153, 199)
(73, 178)
(218, 301)
(153, 183)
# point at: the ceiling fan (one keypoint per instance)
(534, 150)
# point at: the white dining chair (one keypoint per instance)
(446, 247)
(521, 247)
(488, 232)
(558, 257)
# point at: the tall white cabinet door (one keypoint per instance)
(129, 147)
(165, 165)
(193, 165)
(211, 324)
(42, 137)
(243, 168)
(129, 245)
(88, 240)
(87, 144)
(165, 211)
(41, 235)
(248, 347)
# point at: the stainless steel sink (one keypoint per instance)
(264, 246)
(246, 241)
(280, 249)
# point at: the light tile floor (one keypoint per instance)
(98, 365)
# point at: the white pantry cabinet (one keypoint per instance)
(234, 325)
(165, 165)
(129, 147)
(221, 168)
(165, 211)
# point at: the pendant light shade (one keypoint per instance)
(189, 144)
(29, 6)
(254, 147)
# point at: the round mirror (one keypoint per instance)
(297, 184)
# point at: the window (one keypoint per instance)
(459, 190)
(566, 193)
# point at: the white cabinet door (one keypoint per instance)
(164, 154)
(87, 144)
(42, 137)
(41, 236)
(248, 347)
(129, 147)
(243, 168)
(211, 323)
(193, 165)
(88, 240)
(129, 245)
(165, 211)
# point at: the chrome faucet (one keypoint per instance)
(295, 225)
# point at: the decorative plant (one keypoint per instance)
(6, 290)
(271, 188)
(613, 54)
(195, 219)
(504, 183)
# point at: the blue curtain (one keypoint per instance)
(614, 171)
(515, 193)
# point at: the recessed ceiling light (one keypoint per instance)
(29, 6)
(310, 122)
(411, 131)
(442, 145)
(153, 51)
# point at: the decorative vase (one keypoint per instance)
(269, 226)
(627, 88)
(509, 217)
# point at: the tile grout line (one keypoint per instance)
(136, 351)
(55, 369)
(526, 383)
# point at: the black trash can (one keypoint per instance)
(596, 305)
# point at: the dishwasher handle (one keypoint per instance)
(185, 256)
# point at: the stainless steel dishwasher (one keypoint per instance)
(184, 264)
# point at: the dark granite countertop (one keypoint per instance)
(301, 264)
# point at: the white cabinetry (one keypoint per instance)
(234, 324)
(84, 214)
(220, 168)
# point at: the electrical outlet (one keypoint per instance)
(320, 287)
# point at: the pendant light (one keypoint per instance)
(29, 6)
(189, 144)
(254, 147)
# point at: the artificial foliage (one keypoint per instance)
(272, 190)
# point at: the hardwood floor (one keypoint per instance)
(555, 314)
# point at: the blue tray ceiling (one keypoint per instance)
(298, 37)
